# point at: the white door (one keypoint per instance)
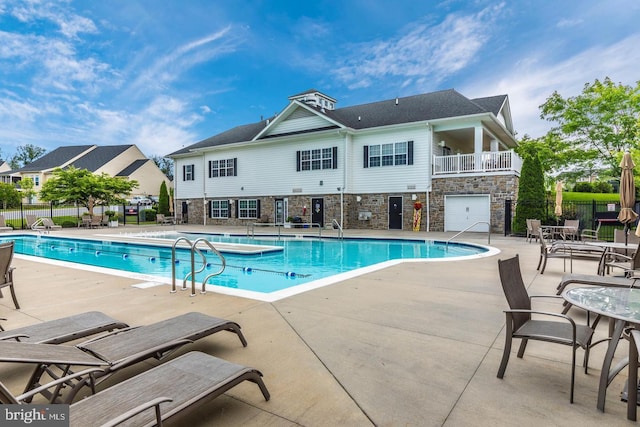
(461, 212)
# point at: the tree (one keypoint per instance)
(163, 199)
(165, 164)
(9, 196)
(80, 186)
(595, 127)
(26, 185)
(26, 154)
(531, 194)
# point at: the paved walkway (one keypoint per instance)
(416, 344)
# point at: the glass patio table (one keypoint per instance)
(620, 304)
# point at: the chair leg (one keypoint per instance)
(573, 372)
(544, 264)
(632, 381)
(505, 356)
(15, 299)
(523, 347)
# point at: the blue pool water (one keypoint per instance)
(288, 262)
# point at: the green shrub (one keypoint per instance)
(69, 224)
(602, 187)
(148, 215)
(583, 187)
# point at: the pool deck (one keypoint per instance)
(416, 344)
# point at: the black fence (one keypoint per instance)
(71, 215)
(590, 214)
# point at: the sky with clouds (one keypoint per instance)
(166, 74)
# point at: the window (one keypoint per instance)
(226, 167)
(248, 208)
(219, 209)
(36, 179)
(188, 173)
(395, 154)
(317, 159)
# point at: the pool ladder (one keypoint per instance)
(193, 249)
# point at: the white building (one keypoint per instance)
(364, 166)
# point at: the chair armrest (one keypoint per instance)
(155, 403)
(25, 397)
(545, 313)
(14, 337)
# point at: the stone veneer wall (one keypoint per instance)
(500, 187)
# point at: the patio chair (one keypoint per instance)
(96, 221)
(520, 323)
(589, 234)
(571, 230)
(65, 329)
(6, 271)
(533, 227)
(116, 350)
(3, 225)
(155, 395)
(629, 264)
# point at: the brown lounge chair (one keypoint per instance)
(65, 329)
(6, 271)
(3, 225)
(157, 394)
(114, 351)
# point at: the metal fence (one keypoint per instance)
(588, 213)
(71, 215)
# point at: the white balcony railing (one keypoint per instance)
(487, 161)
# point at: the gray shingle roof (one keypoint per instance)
(99, 157)
(55, 158)
(137, 164)
(424, 107)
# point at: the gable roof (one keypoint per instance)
(416, 108)
(58, 157)
(137, 164)
(98, 157)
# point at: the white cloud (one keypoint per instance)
(533, 80)
(436, 51)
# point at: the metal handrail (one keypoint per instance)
(466, 229)
(335, 223)
(193, 249)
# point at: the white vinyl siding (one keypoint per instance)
(299, 124)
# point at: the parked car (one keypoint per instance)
(140, 200)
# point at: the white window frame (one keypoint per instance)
(391, 154)
(248, 208)
(219, 209)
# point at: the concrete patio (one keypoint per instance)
(416, 344)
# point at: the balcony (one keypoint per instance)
(484, 162)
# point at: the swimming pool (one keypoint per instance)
(263, 267)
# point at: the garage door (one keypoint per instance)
(461, 212)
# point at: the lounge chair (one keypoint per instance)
(117, 350)
(162, 220)
(157, 394)
(6, 271)
(3, 225)
(65, 329)
(35, 223)
(566, 250)
(520, 324)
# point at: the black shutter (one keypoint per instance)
(228, 208)
(410, 152)
(235, 166)
(298, 161)
(335, 157)
(184, 172)
(210, 174)
(366, 156)
(258, 208)
(210, 208)
(237, 203)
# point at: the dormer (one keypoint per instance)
(316, 99)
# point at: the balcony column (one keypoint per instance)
(477, 147)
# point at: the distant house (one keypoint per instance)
(363, 166)
(5, 176)
(115, 160)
